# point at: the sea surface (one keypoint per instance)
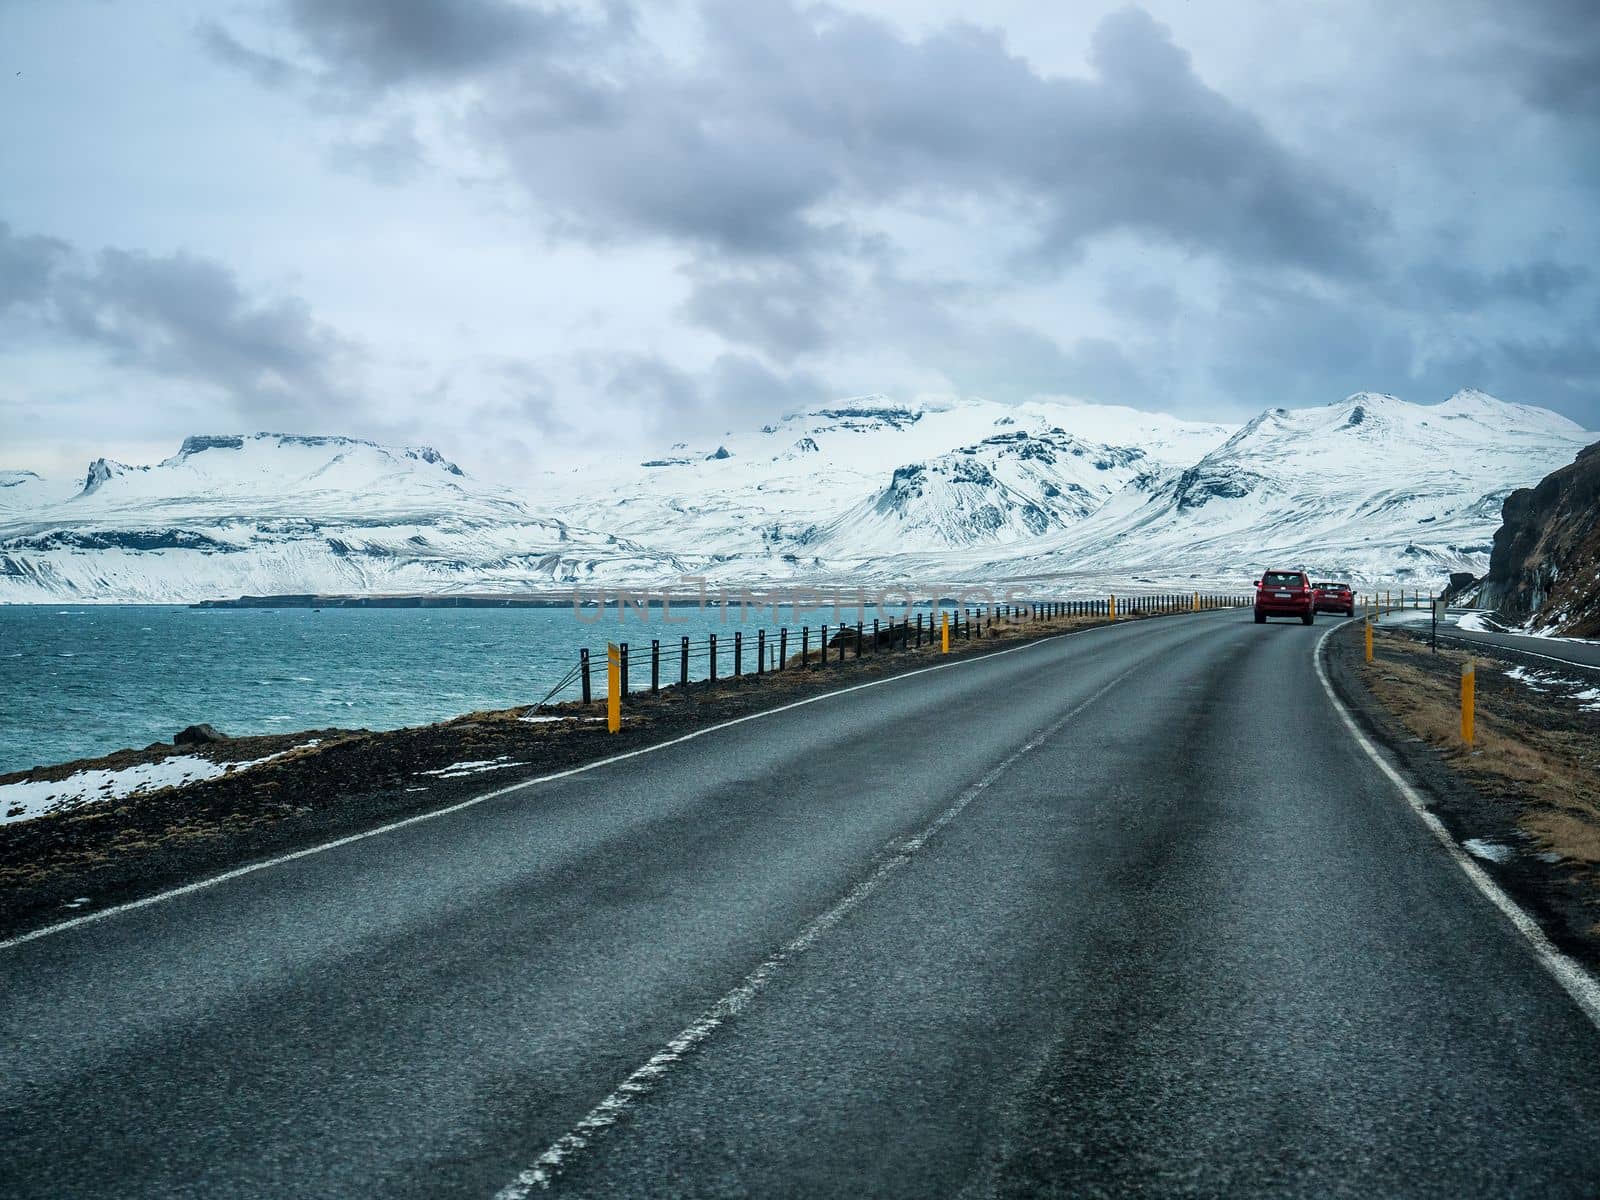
(80, 681)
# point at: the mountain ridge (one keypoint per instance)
(1370, 486)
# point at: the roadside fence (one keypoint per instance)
(648, 668)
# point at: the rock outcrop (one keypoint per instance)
(1544, 571)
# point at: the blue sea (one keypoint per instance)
(76, 682)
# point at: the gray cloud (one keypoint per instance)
(673, 398)
(268, 70)
(780, 151)
(374, 45)
(1543, 283)
(392, 156)
(783, 309)
(28, 266)
(1552, 50)
(181, 317)
(795, 113)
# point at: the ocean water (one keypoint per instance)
(86, 680)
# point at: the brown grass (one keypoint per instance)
(1549, 773)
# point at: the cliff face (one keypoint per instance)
(1545, 567)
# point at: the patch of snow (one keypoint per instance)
(1488, 851)
(472, 767)
(29, 798)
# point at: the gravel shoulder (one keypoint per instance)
(1524, 799)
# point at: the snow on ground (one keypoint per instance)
(1488, 851)
(1549, 681)
(474, 767)
(1474, 622)
(30, 798)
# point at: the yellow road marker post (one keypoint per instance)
(1196, 603)
(1369, 641)
(944, 633)
(1112, 607)
(1469, 696)
(613, 687)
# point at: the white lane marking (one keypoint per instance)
(606, 1113)
(252, 868)
(1574, 979)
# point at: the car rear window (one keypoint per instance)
(1282, 578)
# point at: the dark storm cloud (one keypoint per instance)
(1551, 48)
(188, 318)
(374, 45)
(779, 308)
(28, 266)
(794, 113)
(780, 154)
(1544, 284)
(673, 398)
(182, 317)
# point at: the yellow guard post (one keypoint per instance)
(1469, 689)
(613, 687)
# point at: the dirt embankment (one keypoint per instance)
(1524, 798)
(105, 852)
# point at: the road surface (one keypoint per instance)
(1568, 650)
(1125, 911)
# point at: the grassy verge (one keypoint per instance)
(1524, 797)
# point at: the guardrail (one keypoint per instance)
(761, 651)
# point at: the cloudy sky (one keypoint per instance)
(523, 231)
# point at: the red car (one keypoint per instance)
(1285, 594)
(1336, 598)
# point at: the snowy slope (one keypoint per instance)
(862, 491)
(870, 476)
(1370, 488)
(270, 513)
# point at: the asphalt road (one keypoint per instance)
(1567, 650)
(1122, 912)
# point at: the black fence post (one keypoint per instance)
(761, 651)
(874, 635)
(823, 649)
(583, 666)
(622, 659)
(738, 652)
(858, 639)
(919, 631)
(655, 665)
(712, 644)
(683, 660)
(783, 647)
(805, 647)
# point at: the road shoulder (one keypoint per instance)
(1524, 802)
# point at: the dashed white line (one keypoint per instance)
(1577, 982)
(611, 1109)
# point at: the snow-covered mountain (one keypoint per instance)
(270, 513)
(1371, 488)
(870, 477)
(867, 490)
